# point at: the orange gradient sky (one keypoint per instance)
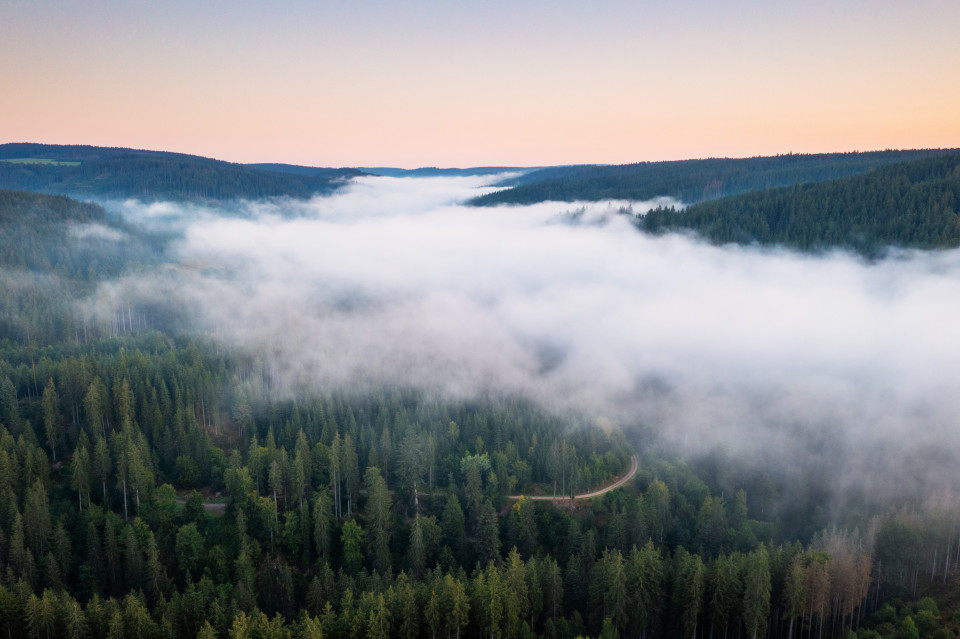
(519, 82)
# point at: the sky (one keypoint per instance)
(506, 83)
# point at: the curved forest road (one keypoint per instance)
(634, 465)
(218, 508)
(212, 507)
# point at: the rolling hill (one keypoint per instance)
(910, 205)
(104, 173)
(690, 181)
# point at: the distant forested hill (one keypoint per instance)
(53, 249)
(311, 171)
(689, 180)
(53, 234)
(913, 204)
(432, 171)
(115, 173)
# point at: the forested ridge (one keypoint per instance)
(54, 249)
(433, 171)
(383, 171)
(689, 181)
(156, 483)
(113, 173)
(910, 205)
(53, 234)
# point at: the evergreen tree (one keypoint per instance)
(80, 474)
(102, 464)
(379, 518)
(51, 417)
(352, 538)
(756, 593)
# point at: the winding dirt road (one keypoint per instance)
(218, 508)
(634, 465)
(212, 507)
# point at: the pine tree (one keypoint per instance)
(379, 517)
(36, 518)
(51, 417)
(349, 466)
(95, 407)
(756, 593)
(336, 453)
(275, 480)
(351, 535)
(516, 593)
(80, 474)
(102, 464)
(460, 604)
(726, 590)
(793, 593)
(323, 523)
(416, 552)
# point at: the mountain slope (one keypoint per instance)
(690, 181)
(117, 173)
(54, 250)
(913, 205)
(432, 171)
(310, 171)
(55, 235)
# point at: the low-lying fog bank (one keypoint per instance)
(770, 354)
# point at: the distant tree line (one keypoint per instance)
(690, 181)
(909, 205)
(152, 176)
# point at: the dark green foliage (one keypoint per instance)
(427, 171)
(54, 249)
(54, 235)
(689, 180)
(111, 173)
(909, 205)
(386, 513)
(310, 171)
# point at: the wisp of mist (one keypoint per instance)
(770, 354)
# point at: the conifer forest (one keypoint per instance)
(166, 476)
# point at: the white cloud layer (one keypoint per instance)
(96, 231)
(394, 281)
